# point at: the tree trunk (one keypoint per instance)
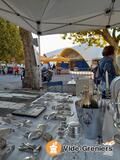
(32, 78)
(109, 38)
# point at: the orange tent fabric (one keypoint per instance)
(55, 59)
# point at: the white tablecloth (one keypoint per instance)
(17, 138)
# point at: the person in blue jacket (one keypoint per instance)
(106, 64)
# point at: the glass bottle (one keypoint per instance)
(86, 101)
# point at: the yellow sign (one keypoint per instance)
(53, 148)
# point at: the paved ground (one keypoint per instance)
(10, 82)
(14, 82)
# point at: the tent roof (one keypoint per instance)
(61, 16)
(71, 53)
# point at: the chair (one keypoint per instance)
(56, 86)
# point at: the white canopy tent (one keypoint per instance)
(61, 16)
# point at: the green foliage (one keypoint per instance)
(10, 42)
(91, 38)
(97, 37)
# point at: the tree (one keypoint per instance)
(10, 42)
(97, 37)
(32, 78)
(16, 43)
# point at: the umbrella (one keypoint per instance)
(43, 58)
(61, 59)
(54, 59)
(60, 16)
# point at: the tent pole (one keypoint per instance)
(39, 33)
(40, 61)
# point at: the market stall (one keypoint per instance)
(59, 121)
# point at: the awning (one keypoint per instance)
(61, 59)
(60, 16)
(55, 59)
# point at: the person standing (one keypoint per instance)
(6, 69)
(95, 70)
(0, 69)
(106, 69)
(22, 73)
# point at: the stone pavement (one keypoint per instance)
(10, 82)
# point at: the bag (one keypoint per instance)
(97, 75)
